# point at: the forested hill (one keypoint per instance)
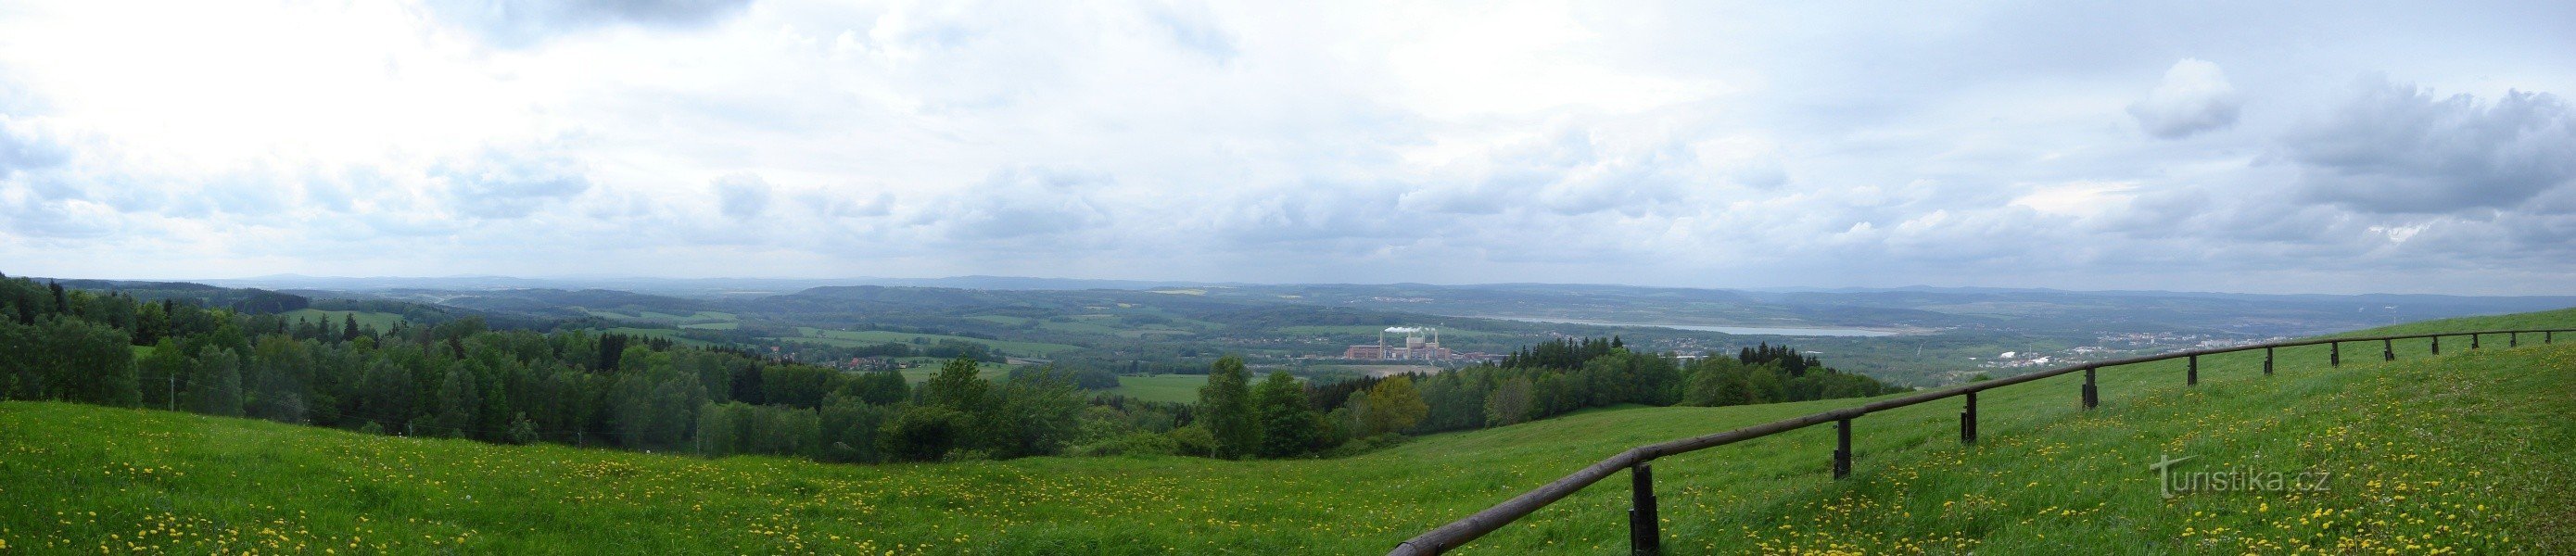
(461, 378)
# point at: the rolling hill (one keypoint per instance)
(2463, 451)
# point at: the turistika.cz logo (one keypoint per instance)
(2174, 482)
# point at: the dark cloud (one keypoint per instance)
(510, 184)
(2195, 97)
(2395, 148)
(523, 23)
(742, 196)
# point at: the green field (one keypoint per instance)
(1160, 388)
(2464, 452)
(858, 338)
(381, 321)
(700, 317)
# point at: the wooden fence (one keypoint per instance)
(1643, 537)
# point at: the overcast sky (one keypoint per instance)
(2274, 147)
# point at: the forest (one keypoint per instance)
(464, 378)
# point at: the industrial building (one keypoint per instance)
(1419, 343)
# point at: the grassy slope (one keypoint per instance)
(2488, 427)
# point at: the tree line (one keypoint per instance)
(461, 379)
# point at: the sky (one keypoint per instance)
(2277, 147)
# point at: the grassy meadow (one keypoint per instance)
(2461, 453)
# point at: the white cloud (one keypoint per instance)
(2194, 98)
(1662, 143)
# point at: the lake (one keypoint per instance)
(1741, 330)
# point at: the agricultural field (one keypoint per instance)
(380, 321)
(661, 317)
(851, 338)
(2047, 478)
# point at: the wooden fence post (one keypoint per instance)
(2267, 361)
(2191, 373)
(2513, 339)
(1645, 537)
(2388, 350)
(2092, 395)
(1842, 448)
(2473, 341)
(2437, 344)
(2334, 354)
(1968, 421)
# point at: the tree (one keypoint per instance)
(1288, 424)
(1035, 414)
(350, 332)
(879, 387)
(1225, 406)
(1510, 403)
(217, 385)
(957, 386)
(1393, 406)
(458, 401)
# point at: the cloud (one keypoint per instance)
(2396, 148)
(2194, 98)
(526, 23)
(1191, 28)
(511, 183)
(742, 196)
(1020, 207)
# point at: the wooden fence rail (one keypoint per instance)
(1643, 527)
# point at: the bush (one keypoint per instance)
(1194, 440)
(922, 433)
(1132, 444)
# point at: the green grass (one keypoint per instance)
(381, 321)
(2466, 451)
(1161, 388)
(858, 338)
